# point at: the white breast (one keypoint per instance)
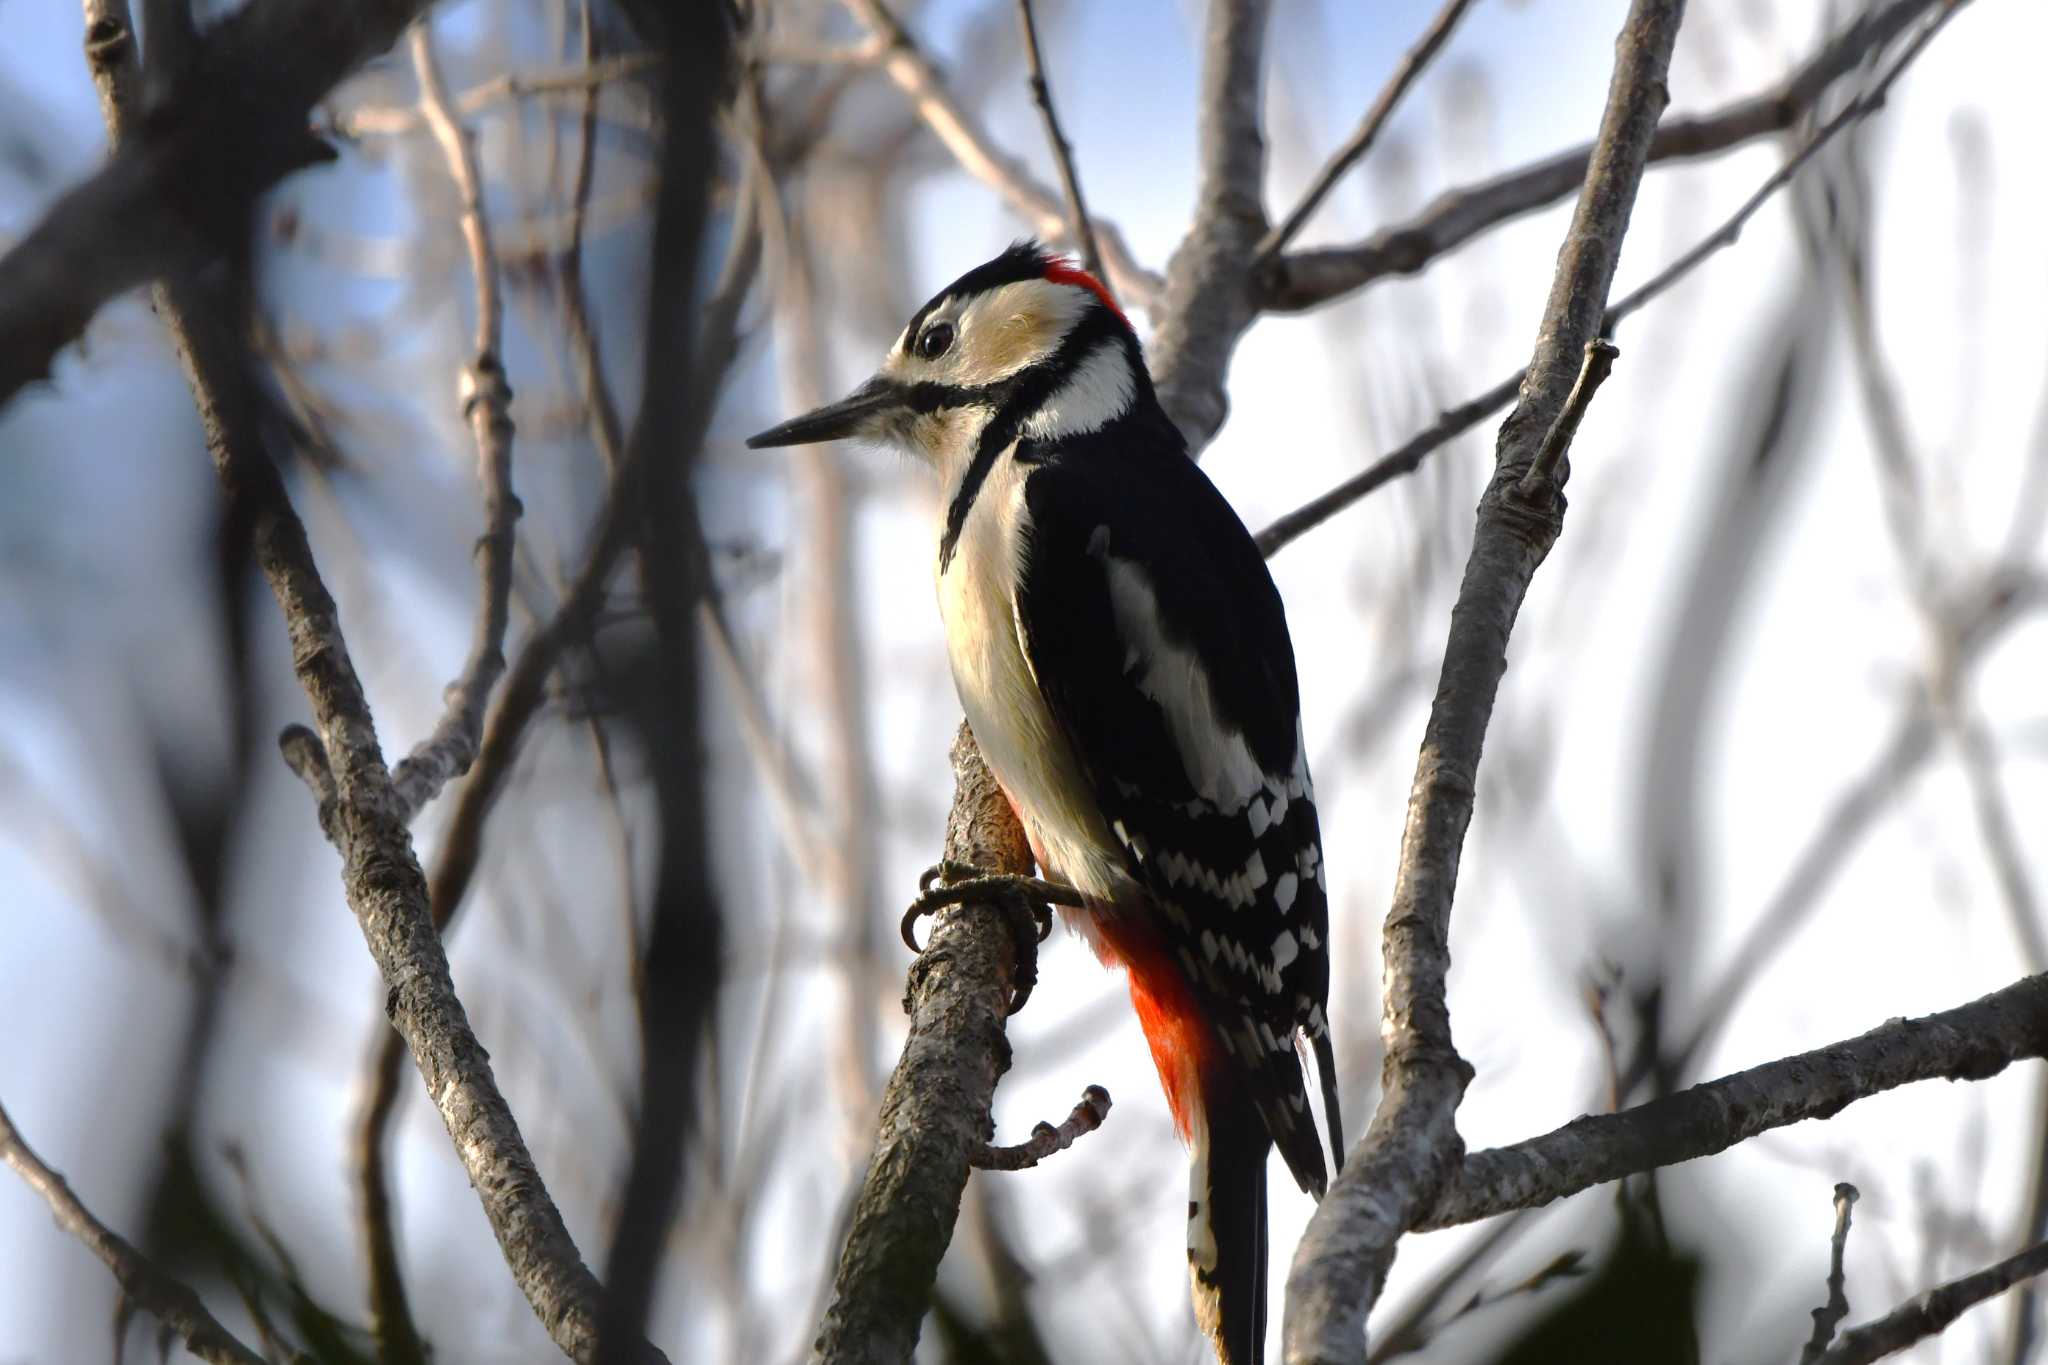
(1017, 733)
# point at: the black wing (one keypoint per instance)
(1160, 644)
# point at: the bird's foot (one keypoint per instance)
(1026, 903)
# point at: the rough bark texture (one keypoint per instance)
(1412, 1146)
(935, 1110)
(1210, 295)
(1968, 1043)
(177, 193)
(361, 811)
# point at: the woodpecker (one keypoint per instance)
(1123, 659)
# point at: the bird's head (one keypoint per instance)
(1025, 345)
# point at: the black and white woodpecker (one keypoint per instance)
(1123, 659)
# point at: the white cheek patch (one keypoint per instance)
(1098, 392)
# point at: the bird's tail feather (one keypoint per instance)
(1227, 1225)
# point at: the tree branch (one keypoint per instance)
(172, 1301)
(1307, 279)
(1045, 1139)
(1455, 422)
(1931, 1313)
(906, 65)
(1969, 1043)
(935, 1109)
(176, 194)
(1360, 142)
(487, 405)
(361, 812)
(1062, 153)
(1211, 291)
(1412, 1147)
(1829, 1316)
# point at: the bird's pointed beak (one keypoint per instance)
(853, 415)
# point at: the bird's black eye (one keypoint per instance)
(936, 340)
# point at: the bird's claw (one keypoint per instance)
(1026, 903)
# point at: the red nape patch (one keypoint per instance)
(1063, 271)
(1183, 1047)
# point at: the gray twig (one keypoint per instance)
(585, 79)
(1829, 1315)
(1411, 1149)
(1045, 1139)
(487, 406)
(1930, 1314)
(1062, 150)
(1360, 142)
(1968, 1043)
(1593, 372)
(912, 72)
(1306, 279)
(340, 757)
(1455, 422)
(172, 1301)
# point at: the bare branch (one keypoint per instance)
(1599, 363)
(365, 819)
(913, 73)
(1829, 1316)
(586, 79)
(1306, 279)
(1931, 1313)
(176, 194)
(487, 404)
(935, 1110)
(1412, 1147)
(1062, 151)
(1045, 1139)
(1455, 422)
(1403, 460)
(173, 1302)
(1969, 1043)
(1210, 289)
(1360, 142)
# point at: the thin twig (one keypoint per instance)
(1045, 1139)
(172, 1301)
(1455, 422)
(1930, 1313)
(1403, 460)
(486, 401)
(1968, 1043)
(1829, 1315)
(366, 821)
(1411, 1149)
(1062, 151)
(1306, 279)
(905, 63)
(1599, 363)
(589, 78)
(1411, 67)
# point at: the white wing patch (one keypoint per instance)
(1217, 759)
